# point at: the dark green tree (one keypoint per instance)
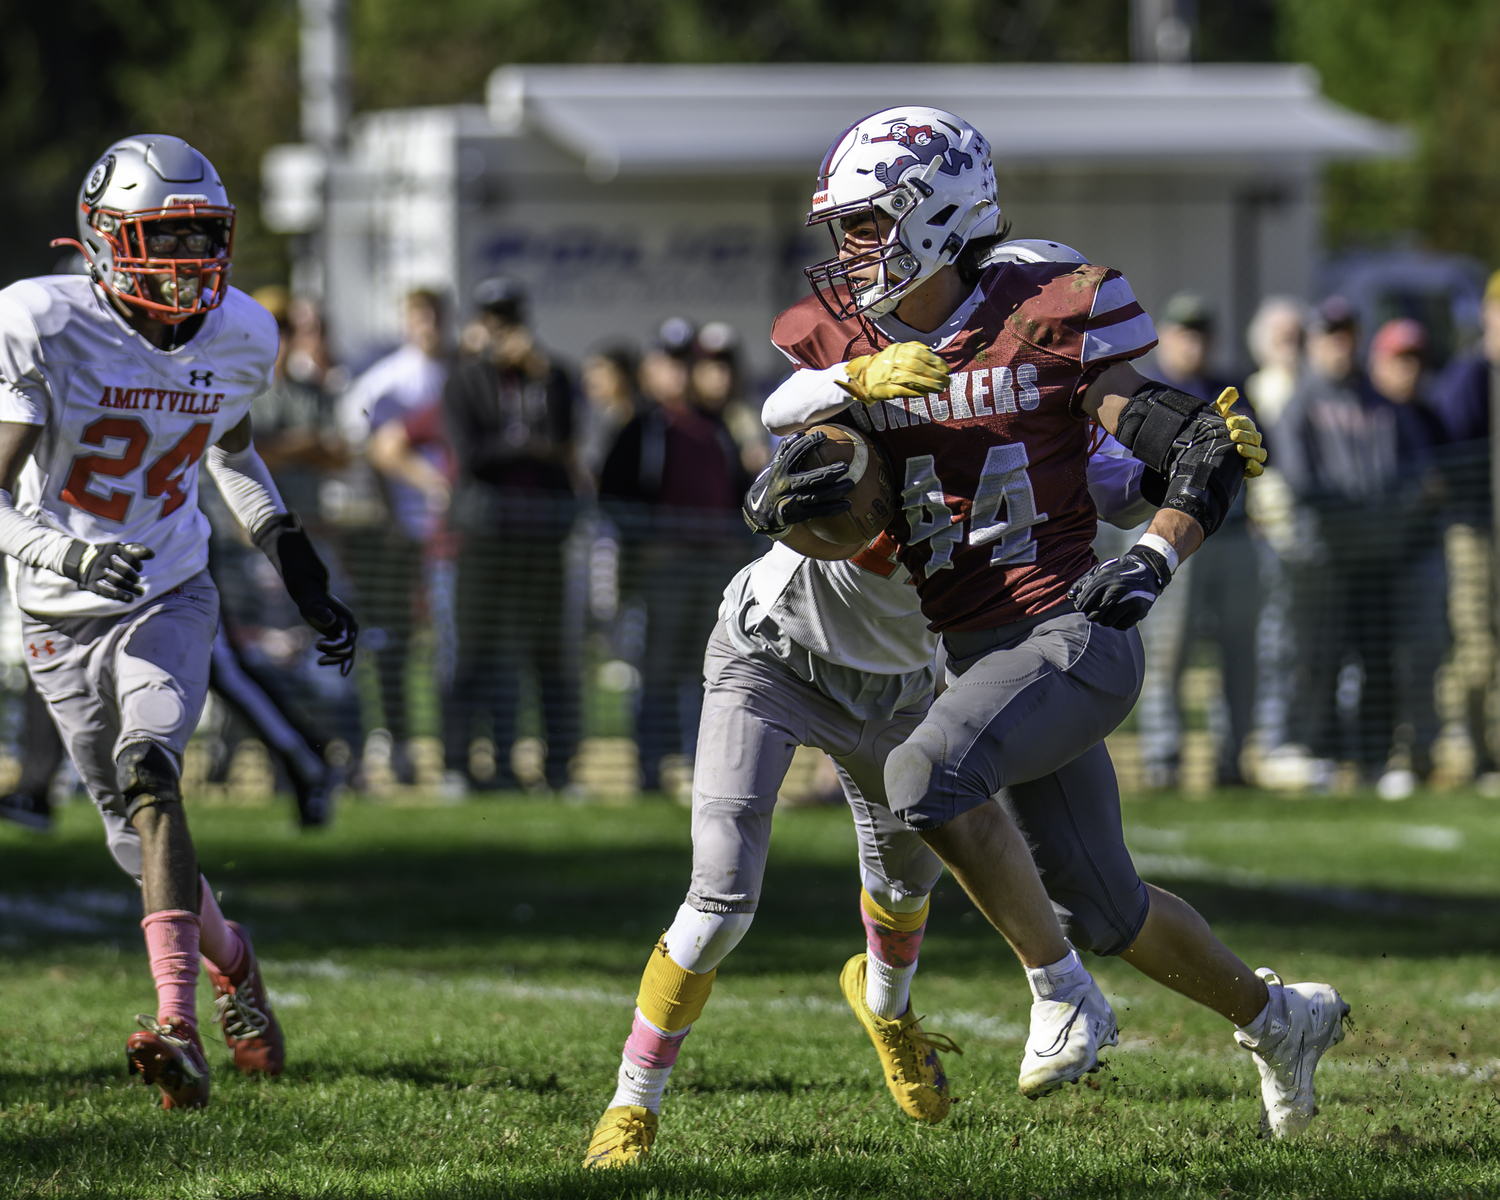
(1435, 68)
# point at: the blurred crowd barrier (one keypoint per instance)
(537, 557)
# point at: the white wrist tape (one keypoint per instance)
(245, 484)
(28, 540)
(1163, 547)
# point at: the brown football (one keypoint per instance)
(872, 503)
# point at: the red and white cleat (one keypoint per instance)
(242, 1007)
(169, 1054)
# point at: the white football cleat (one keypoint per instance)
(1304, 1021)
(1064, 1042)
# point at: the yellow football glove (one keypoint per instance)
(1243, 433)
(902, 369)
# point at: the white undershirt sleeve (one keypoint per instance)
(28, 540)
(245, 484)
(1114, 478)
(804, 398)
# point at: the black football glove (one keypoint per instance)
(783, 496)
(108, 569)
(1118, 593)
(287, 545)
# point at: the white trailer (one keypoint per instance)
(623, 195)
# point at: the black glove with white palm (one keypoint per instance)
(783, 496)
(108, 569)
(287, 545)
(1118, 593)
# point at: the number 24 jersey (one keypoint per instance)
(996, 521)
(124, 425)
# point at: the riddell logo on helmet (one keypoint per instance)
(820, 198)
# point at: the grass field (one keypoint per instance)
(456, 983)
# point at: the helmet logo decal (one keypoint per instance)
(922, 144)
(99, 178)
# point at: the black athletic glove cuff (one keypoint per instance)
(286, 544)
(72, 563)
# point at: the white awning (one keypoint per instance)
(690, 119)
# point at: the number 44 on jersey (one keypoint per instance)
(1004, 478)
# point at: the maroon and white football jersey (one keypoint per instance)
(996, 520)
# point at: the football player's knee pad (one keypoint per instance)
(889, 895)
(1102, 919)
(124, 844)
(913, 773)
(1186, 441)
(699, 941)
(147, 778)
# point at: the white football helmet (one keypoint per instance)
(927, 170)
(140, 184)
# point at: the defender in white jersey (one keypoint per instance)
(112, 387)
(834, 655)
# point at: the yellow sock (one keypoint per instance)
(672, 998)
(899, 922)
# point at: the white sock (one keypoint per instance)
(1064, 981)
(640, 1085)
(887, 988)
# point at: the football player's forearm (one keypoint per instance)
(245, 484)
(28, 540)
(1179, 530)
(23, 537)
(805, 398)
(1178, 435)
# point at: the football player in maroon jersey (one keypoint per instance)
(982, 383)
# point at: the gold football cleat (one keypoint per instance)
(623, 1136)
(908, 1057)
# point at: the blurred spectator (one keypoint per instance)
(1464, 398)
(673, 482)
(385, 560)
(611, 401)
(1215, 597)
(717, 385)
(509, 411)
(1275, 338)
(295, 421)
(1358, 457)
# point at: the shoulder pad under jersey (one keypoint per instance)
(1086, 314)
(809, 335)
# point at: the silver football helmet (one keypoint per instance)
(156, 227)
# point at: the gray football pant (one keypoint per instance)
(755, 715)
(1025, 722)
(111, 682)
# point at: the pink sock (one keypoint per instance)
(648, 1046)
(222, 948)
(172, 943)
(894, 947)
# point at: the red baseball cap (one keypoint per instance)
(1401, 336)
